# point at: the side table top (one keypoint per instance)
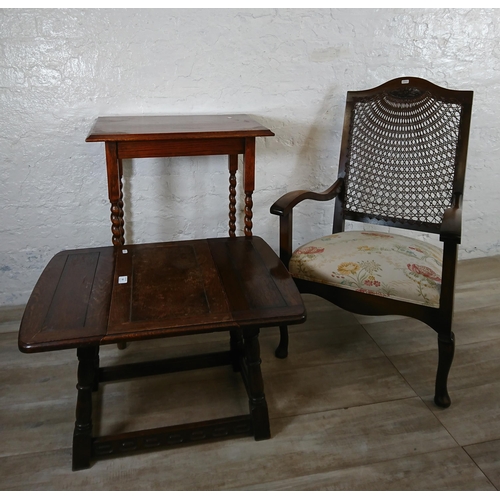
(136, 292)
(152, 127)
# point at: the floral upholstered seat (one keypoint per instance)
(373, 262)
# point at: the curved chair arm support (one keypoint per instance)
(284, 208)
(451, 227)
(285, 204)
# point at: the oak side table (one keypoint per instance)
(91, 297)
(127, 137)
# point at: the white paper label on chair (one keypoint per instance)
(405, 81)
(122, 280)
(125, 251)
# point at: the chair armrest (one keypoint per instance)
(284, 205)
(284, 208)
(451, 227)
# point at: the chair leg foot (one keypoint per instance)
(446, 353)
(282, 349)
(443, 400)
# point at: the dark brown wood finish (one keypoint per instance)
(129, 137)
(69, 305)
(152, 127)
(233, 168)
(375, 121)
(91, 297)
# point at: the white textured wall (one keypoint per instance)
(290, 69)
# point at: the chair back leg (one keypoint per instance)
(282, 349)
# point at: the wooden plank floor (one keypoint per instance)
(351, 407)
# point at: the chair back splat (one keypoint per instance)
(402, 164)
(403, 154)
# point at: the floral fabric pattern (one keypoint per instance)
(382, 264)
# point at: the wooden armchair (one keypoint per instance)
(402, 164)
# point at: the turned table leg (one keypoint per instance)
(248, 214)
(114, 168)
(233, 167)
(95, 383)
(115, 192)
(249, 182)
(257, 399)
(236, 347)
(82, 436)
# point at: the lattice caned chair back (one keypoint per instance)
(401, 156)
